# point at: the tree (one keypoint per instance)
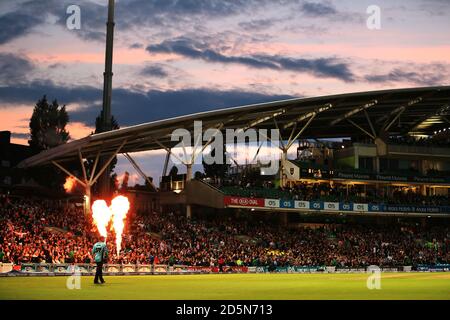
(173, 172)
(125, 179)
(114, 182)
(48, 125)
(48, 130)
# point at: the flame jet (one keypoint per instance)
(69, 184)
(101, 215)
(119, 207)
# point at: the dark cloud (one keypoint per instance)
(130, 14)
(426, 75)
(14, 68)
(16, 24)
(257, 25)
(436, 8)
(185, 7)
(136, 46)
(167, 15)
(155, 71)
(316, 9)
(29, 15)
(322, 67)
(163, 14)
(31, 92)
(131, 107)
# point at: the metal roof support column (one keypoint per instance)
(139, 170)
(83, 168)
(105, 166)
(355, 111)
(362, 129)
(400, 109)
(261, 120)
(301, 131)
(169, 151)
(70, 174)
(87, 186)
(257, 153)
(87, 200)
(166, 162)
(386, 128)
(92, 174)
(305, 116)
(372, 128)
(282, 168)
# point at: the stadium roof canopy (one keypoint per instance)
(376, 113)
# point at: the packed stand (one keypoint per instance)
(35, 232)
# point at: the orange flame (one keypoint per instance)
(69, 184)
(119, 207)
(101, 215)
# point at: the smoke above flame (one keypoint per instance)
(117, 212)
(70, 184)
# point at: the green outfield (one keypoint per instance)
(233, 286)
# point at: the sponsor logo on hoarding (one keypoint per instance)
(129, 268)
(302, 204)
(345, 206)
(328, 206)
(290, 204)
(315, 205)
(375, 207)
(161, 268)
(113, 269)
(333, 206)
(364, 207)
(144, 269)
(244, 202)
(271, 203)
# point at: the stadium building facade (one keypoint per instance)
(370, 153)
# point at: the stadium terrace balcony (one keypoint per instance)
(312, 171)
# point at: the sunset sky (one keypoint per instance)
(176, 57)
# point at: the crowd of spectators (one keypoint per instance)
(43, 232)
(32, 232)
(440, 140)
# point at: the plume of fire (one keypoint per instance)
(101, 215)
(70, 184)
(119, 207)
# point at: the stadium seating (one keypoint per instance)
(159, 238)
